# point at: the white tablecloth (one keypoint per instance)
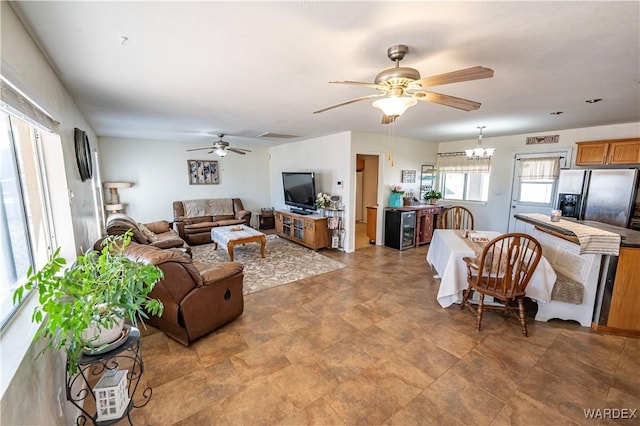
(445, 254)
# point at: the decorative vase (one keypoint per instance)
(395, 200)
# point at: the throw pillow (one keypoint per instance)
(147, 233)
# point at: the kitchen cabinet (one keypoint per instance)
(372, 223)
(619, 296)
(608, 152)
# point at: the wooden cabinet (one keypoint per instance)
(310, 231)
(426, 220)
(608, 152)
(622, 316)
(372, 223)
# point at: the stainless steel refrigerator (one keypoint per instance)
(601, 195)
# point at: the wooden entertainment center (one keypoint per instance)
(308, 230)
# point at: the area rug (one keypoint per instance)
(284, 262)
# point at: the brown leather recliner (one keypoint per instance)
(158, 233)
(197, 298)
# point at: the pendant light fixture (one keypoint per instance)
(479, 152)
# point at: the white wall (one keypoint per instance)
(407, 154)
(25, 66)
(329, 158)
(159, 172)
(494, 214)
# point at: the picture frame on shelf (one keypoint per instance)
(203, 172)
(408, 176)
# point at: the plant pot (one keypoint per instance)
(103, 335)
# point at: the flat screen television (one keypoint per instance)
(300, 191)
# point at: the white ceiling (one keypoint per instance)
(190, 69)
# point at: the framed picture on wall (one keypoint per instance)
(408, 176)
(203, 172)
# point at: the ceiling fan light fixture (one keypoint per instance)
(220, 152)
(394, 105)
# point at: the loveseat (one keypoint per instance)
(195, 218)
(197, 298)
(157, 234)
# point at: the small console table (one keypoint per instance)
(91, 367)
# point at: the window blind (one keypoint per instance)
(16, 103)
(459, 163)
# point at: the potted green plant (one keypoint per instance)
(99, 290)
(432, 196)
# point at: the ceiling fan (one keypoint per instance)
(221, 148)
(401, 87)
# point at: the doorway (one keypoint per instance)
(366, 199)
(535, 190)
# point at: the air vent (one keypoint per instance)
(272, 135)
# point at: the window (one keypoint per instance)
(463, 179)
(26, 234)
(537, 180)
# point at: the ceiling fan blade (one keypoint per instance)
(451, 101)
(350, 102)
(359, 83)
(473, 73)
(238, 151)
(388, 119)
(199, 149)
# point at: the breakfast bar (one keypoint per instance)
(610, 279)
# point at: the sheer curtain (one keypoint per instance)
(547, 168)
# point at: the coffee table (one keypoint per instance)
(237, 234)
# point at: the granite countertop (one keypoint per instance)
(629, 237)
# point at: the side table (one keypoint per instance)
(91, 367)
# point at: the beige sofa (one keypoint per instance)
(195, 218)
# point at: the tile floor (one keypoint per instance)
(369, 345)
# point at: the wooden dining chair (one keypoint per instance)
(456, 217)
(502, 270)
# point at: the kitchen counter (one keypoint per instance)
(618, 297)
(629, 237)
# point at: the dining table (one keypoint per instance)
(446, 251)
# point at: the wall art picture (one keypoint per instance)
(203, 172)
(535, 140)
(408, 176)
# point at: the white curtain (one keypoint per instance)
(547, 168)
(459, 163)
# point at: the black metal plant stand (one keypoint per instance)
(93, 366)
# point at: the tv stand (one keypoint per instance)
(310, 231)
(301, 212)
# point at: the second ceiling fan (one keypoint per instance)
(221, 147)
(401, 87)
